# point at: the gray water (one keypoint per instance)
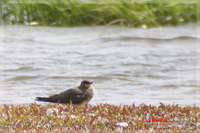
(127, 65)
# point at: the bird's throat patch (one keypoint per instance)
(87, 85)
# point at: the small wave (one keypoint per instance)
(19, 78)
(57, 77)
(127, 38)
(22, 69)
(79, 77)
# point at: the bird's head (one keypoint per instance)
(86, 84)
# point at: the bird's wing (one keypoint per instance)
(74, 95)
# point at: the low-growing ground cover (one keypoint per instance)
(99, 118)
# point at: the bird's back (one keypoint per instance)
(75, 96)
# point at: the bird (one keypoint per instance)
(80, 95)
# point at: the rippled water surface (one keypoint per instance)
(126, 65)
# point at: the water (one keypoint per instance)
(126, 65)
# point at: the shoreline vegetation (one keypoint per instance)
(99, 118)
(145, 14)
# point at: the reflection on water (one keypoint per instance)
(126, 65)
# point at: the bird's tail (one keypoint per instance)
(44, 99)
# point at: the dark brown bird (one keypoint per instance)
(80, 95)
